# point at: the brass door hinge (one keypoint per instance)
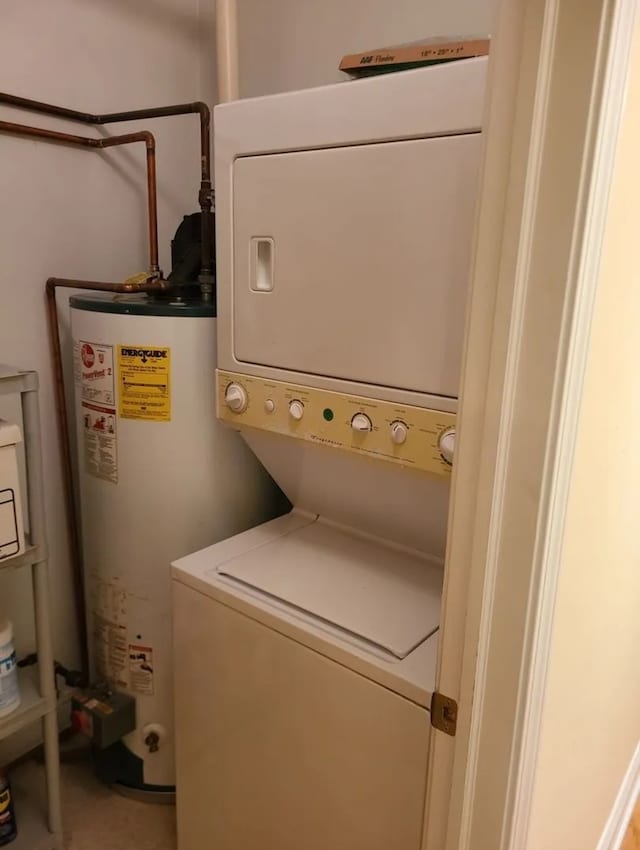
(444, 713)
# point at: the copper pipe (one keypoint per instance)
(73, 524)
(85, 142)
(205, 196)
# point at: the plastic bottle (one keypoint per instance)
(8, 826)
(9, 690)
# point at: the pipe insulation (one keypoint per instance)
(227, 50)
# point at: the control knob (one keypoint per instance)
(296, 410)
(235, 397)
(447, 444)
(399, 432)
(361, 423)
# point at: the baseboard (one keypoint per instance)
(616, 827)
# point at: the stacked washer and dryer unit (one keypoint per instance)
(306, 648)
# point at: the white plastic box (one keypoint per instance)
(11, 524)
(9, 688)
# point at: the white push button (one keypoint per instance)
(269, 405)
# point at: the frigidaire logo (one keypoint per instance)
(144, 353)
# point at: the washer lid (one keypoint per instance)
(388, 597)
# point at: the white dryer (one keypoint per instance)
(306, 648)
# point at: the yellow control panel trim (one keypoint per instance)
(327, 421)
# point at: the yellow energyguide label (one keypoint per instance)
(144, 374)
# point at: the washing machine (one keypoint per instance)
(306, 648)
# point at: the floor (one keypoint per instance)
(96, 818)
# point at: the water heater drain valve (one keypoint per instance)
(153, 734)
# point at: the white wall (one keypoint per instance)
(591, 720)
(294, 44)
(72, 213)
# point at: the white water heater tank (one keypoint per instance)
(159, 478)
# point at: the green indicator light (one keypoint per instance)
(328, 414)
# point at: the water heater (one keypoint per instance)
(158, 477)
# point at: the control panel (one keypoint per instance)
(406, 435)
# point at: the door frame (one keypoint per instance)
(557, 86)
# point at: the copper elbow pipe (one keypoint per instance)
(73, 525)
(99, 144)
(197, 107)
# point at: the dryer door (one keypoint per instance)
(353, 262)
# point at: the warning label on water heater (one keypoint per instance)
(144, 374)
(108, 605)
(100, 441)
(141, 669)
(94, 371)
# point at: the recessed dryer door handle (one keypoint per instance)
(261, 264)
